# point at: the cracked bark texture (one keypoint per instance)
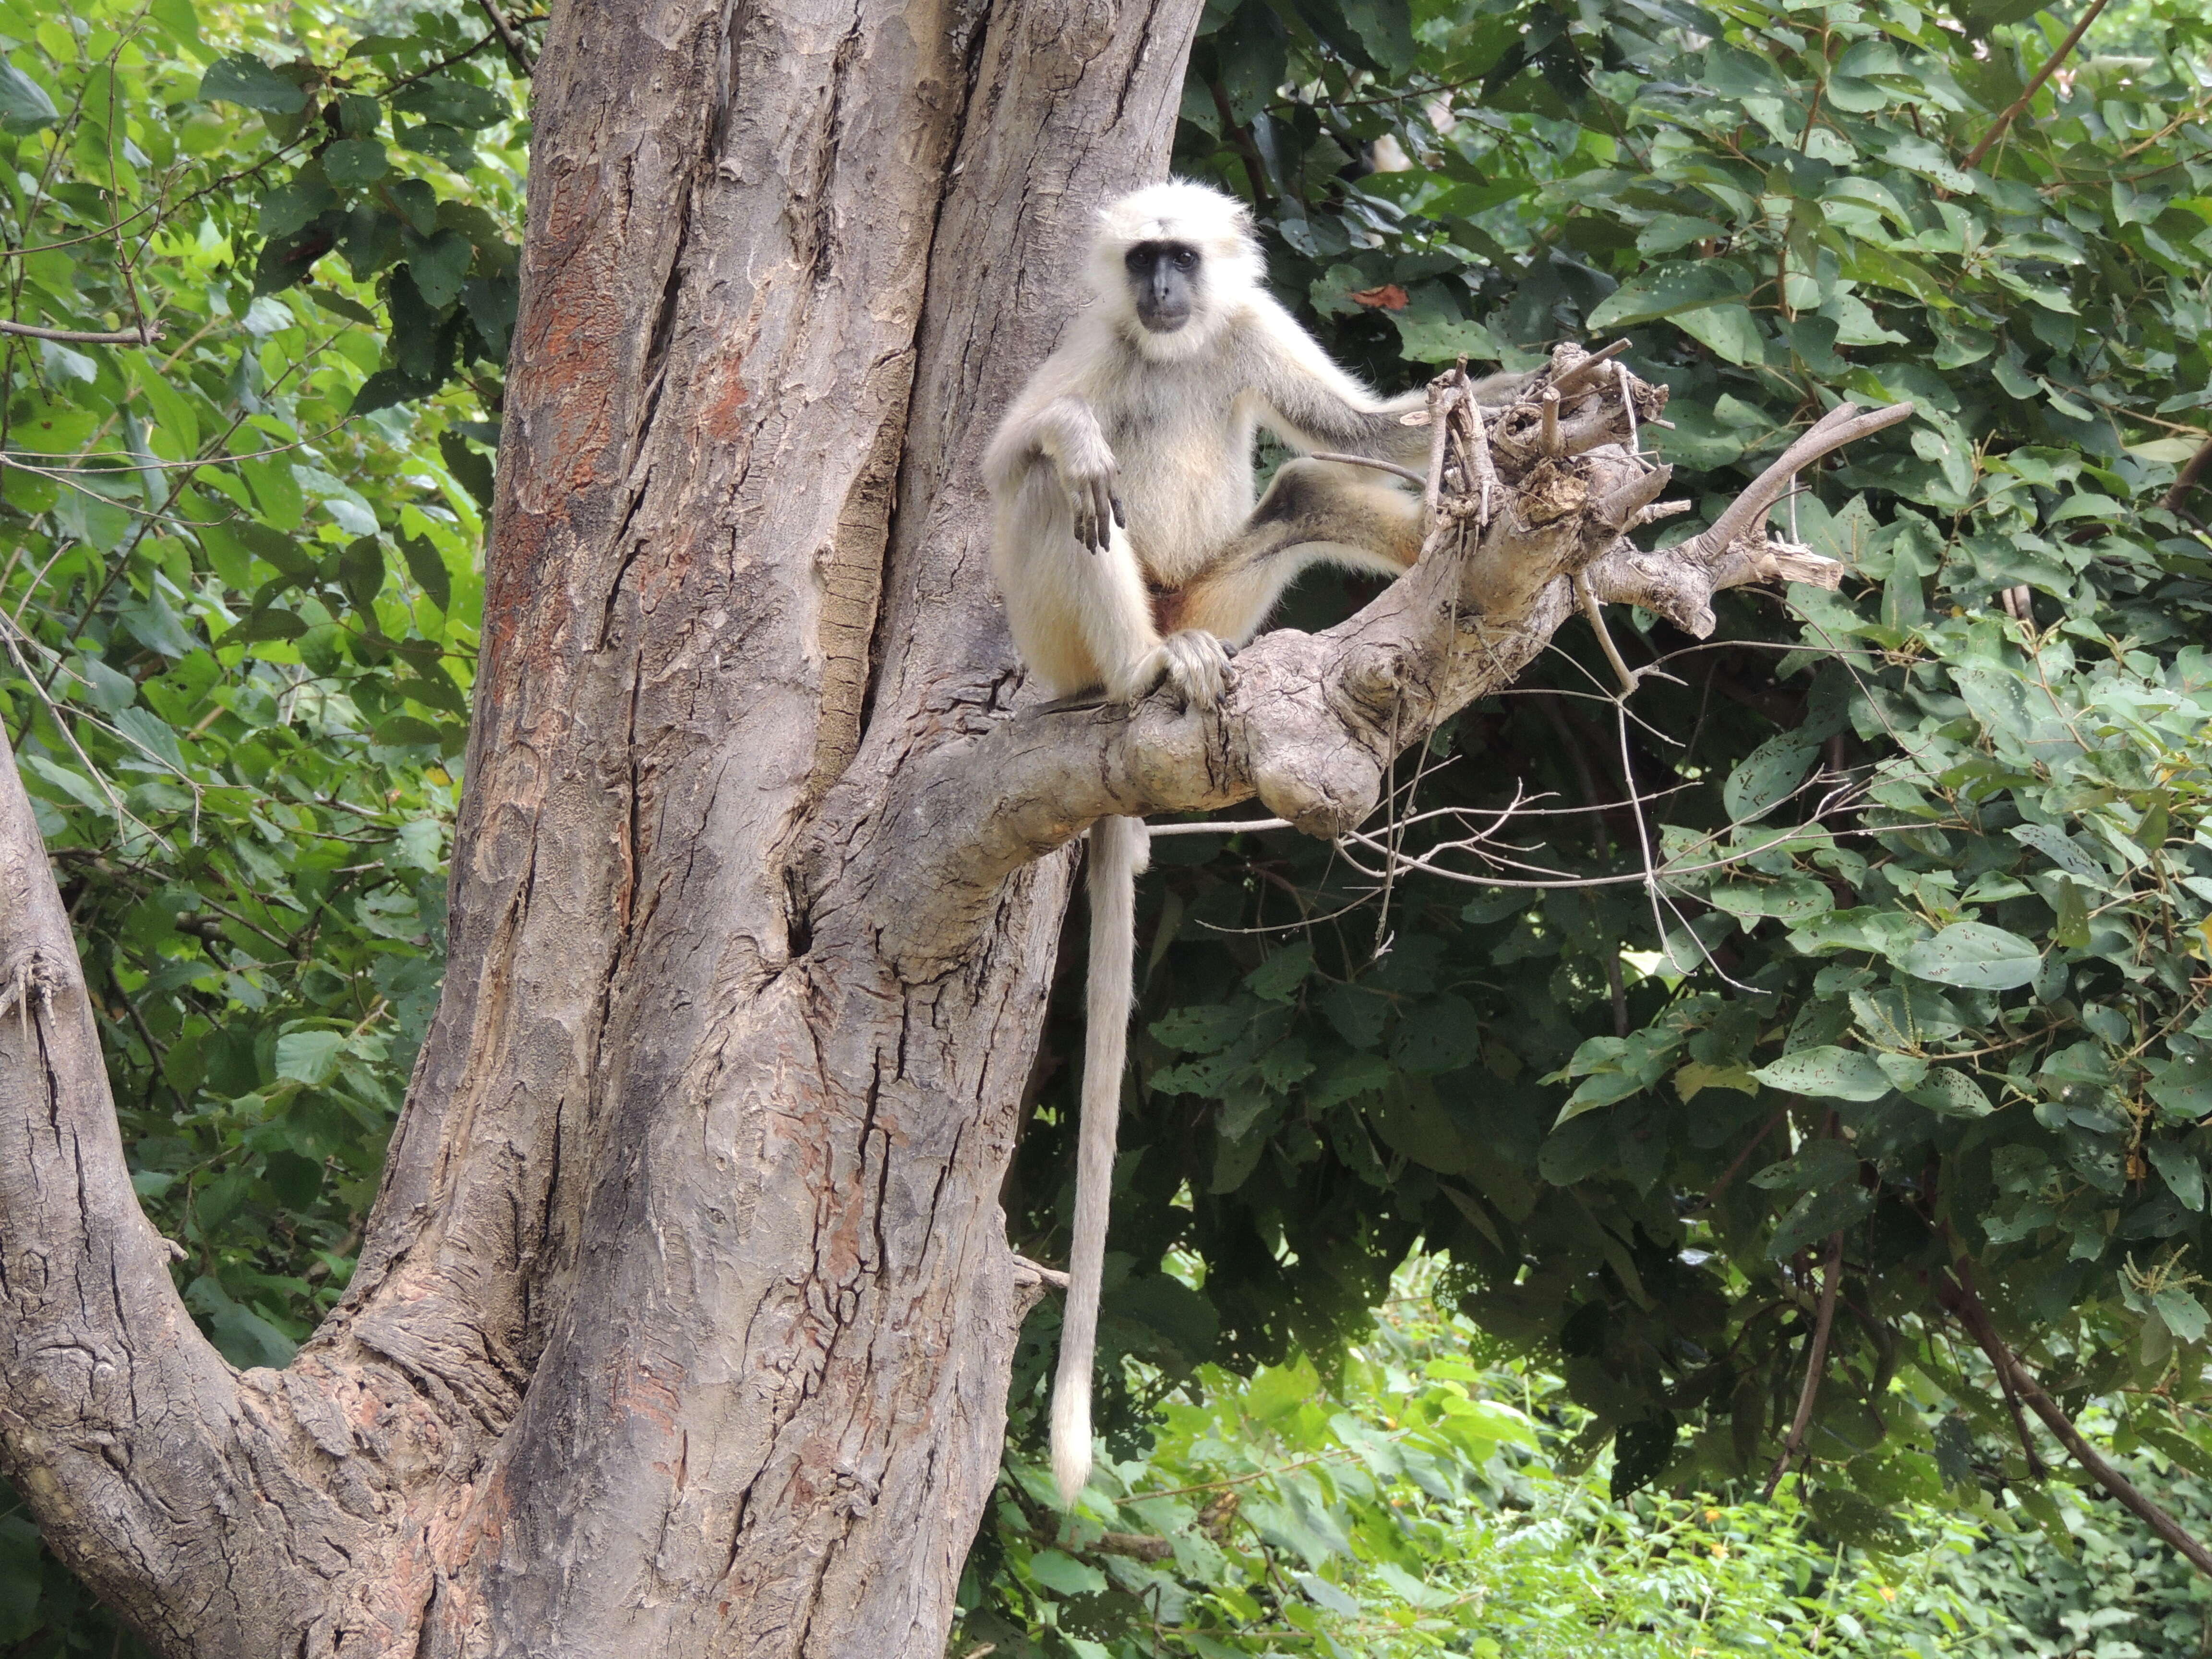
(683, 1323)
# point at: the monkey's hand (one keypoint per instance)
(1092, 481)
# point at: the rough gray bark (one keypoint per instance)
(684, 1321)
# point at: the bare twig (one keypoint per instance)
(1405, 472)
(1572, 379)
(1816, 1361)
(1974, 155)
(1957, 1295)
(1596, 615)
(1845, 424)
(135, 336)
(1244, 827)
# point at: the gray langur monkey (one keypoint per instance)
(1129, 551)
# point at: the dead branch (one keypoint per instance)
(130, 337)
(1311, 723)
(1956, 1293)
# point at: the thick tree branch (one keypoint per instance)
(1956, 1293)
(1311, 722)
(127, 1433)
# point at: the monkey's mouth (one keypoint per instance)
(1164, 321)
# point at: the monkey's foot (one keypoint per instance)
(1194, 664)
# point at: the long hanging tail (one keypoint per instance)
(1119, 849)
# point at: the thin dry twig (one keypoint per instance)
(131, 336)
(1405, 472)
(1595, 612)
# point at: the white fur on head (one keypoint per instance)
(1177, 211)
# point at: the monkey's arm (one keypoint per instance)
(1064, 432)
(1309, 403)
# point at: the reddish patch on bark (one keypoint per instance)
(1388, 297)
(718, 415)
(649, 1385)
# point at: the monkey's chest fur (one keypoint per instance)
(1182, 435)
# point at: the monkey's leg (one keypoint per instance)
(1314, 513)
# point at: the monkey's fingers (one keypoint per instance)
(1103, 506)
(1120, 513)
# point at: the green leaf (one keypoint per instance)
(361, 573)
(1278, 978)
(1814, 1217)
(1972, 954)
(437, 263)
(1666, 289)
(1768, 776)
(2183, 1313)
(1730, 330)
(403, 731)
(264, 625)
(1439, 1034)
(244, 79)
(1064, 1574)
(1206, 1029)
(429, 570)
(1951, 1092)
(452, 102)
(309, 1057)
(1443, 340)
(2183, 1174)
(1826, 1072)
(24, 106)
(354, 161)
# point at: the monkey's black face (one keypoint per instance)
(1163, 279)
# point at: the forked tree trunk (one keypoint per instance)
(684, 1322)
(684, 1319)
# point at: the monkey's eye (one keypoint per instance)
(1186, 258)
(1137, 258)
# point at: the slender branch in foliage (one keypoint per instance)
(1816, 1361)
(2190, 472)
(1741, 1159)
(1256, 167)
(2051, 64)
(504, 27)
(136, 336)
(1958, 1296)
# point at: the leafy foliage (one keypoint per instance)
(1424, 1503)
(1921, 964)
(1953, 1012)
(240, 596)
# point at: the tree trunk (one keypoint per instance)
(685, 1317)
